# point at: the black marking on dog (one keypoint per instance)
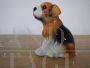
(67, 35)
(35, 8)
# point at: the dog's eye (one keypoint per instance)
(44, 7)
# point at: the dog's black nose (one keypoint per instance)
(35, 8)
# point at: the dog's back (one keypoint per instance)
(68, 37)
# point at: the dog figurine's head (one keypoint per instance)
(46, 9)
(48, 13)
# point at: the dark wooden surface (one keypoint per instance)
(18, 52)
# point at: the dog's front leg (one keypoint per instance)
(42, 51)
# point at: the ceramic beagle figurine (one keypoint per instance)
(58, 40)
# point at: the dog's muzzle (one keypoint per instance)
(37, 12)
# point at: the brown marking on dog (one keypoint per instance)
(54, 9)
(51, 23)
(70, 49)
(50, 29)
(48, 6)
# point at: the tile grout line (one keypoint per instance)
(11, 60)
(44, 62)
(66, 61)
(32, 60)
(56, 66)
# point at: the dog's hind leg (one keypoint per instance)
(70, 49)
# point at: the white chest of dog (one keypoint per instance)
(51, 49)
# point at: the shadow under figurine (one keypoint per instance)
(58, 40)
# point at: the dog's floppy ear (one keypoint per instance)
(55, 10)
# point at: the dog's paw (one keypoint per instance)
(50, 54)
(62, 55)
(40, 52)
